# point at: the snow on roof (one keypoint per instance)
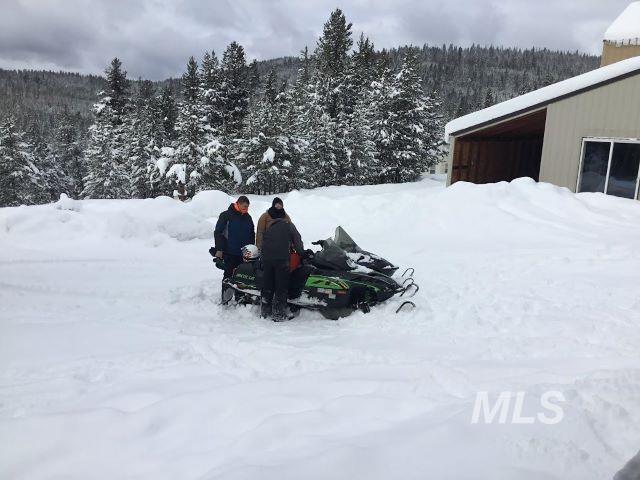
(542, 96)
(626, 26)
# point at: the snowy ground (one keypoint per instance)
(116, 362)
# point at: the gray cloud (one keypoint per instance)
(154, 38)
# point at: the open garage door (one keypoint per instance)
(500, 152)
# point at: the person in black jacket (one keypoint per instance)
(233, 231)
(277, 242)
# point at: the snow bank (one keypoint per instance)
(543, 95)
(626, 27)
(118, 219)
(116, 361)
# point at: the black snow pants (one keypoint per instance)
(275, 287)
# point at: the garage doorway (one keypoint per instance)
(502, 152)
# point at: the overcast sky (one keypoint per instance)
(154, 38)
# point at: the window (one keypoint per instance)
(623, 177)
(610, 166)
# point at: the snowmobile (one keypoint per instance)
(331, 281)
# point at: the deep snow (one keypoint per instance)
(116, 362)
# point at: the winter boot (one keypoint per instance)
(280, 312)
(266, 307)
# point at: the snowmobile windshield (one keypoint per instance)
(362, 257)
(333, 257)
(344, 241)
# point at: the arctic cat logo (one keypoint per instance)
(245, 276)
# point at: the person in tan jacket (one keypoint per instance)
(268, 217)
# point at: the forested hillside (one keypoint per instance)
(468, 78)
(342, 113)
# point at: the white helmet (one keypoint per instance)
(250, 252)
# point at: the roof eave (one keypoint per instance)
(539, 106)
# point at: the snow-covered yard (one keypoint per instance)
(117, 362)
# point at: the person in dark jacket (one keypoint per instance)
(233, 231)
(267, 218)
(277, 242)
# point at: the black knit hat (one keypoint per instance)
(276, 201)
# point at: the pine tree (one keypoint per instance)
(361, 167)
(105, 154)
(488, 99)
(192, 126)
(324, 152)
(144, 128)
(332, 63)
(235, 92)
(200, 155)
(117, 92)
(331, 99)
(21, 183)
(301, 97)
(211, 91)
(364, 63)
(167, 112)
(106, 174)
(53, 179)
(406, 127)
(67, 149)
(271, 155)
(300, 120)
(253, 78)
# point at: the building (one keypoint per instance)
(622, 38)
(582, 133)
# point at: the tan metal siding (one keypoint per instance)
(612, 110)
(615, 52)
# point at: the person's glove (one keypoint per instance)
(212, 251)
(308, 254)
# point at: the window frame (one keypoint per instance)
(611, 141)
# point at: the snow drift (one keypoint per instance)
(116, 362)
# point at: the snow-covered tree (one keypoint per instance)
(211, 91)
(271, 154)
(234, 89)
(192, 130)
(360, 147)
(107, 175)
(253, 79)
(105, 154)
(199, 157)
(364, 64)
(143, 131)
(117, 91)
(21, 182)
(167, 112)
(406, 123)
(332, 64)
(53, 179)
(69, 154)
(324, 149)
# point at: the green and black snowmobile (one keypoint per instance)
(331, 281)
